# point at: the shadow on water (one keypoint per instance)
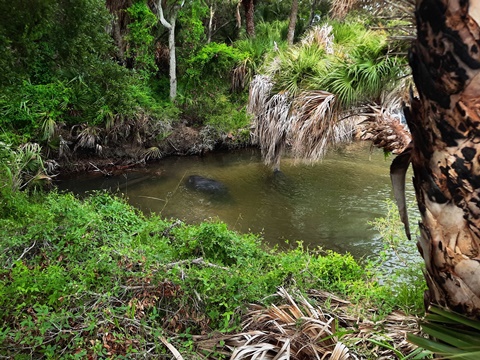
(328, 204)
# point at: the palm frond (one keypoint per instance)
(313, 124)
(88, 137)
(386, 130)
(340, 8)
(272, 127)
(25, 166)
(259, 92)
(48, 128)
(321, 36)
(453, 335)
(152, 153)
(241, 76)
(295, 330)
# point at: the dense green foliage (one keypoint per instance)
(345, 59)
(73, 67)
(74, 271)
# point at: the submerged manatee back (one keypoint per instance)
(206, 185)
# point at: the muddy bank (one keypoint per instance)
(111, 157)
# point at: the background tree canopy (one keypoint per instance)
(96, 73)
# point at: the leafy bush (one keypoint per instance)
(32, 106)
(213, 60)
(141, 38)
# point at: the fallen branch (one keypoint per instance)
(25, 251)
(170, 347)
(198, 261)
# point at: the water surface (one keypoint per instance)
(329, 204)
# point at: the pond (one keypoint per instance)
(328, 204)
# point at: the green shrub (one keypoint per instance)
(213, 60)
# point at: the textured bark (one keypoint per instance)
(249, 8)
(292, 22)
(445, 126)
(119, 25)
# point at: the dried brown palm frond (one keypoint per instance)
(307, 124)
(152, 153)
(383, 339)
(397, 9)
(296, 329)
(386, 131)
(63, 148)
(259, 93)
(385, 126)
(272, 128)
(88, 137)
(241, 76)
(313, 124)
(321, 36)
(340, 8)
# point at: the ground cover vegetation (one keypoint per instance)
(96, 278)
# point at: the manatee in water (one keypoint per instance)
(206, 185)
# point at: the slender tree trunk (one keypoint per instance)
(293, 22)
(171, 44)
(249, 8)
(445, 126)
(210, 23)
(238, 17)
(172, 58)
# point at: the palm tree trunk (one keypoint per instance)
(445, 126)
(249, 8)
(292, 22)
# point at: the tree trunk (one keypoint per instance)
(172, 58)
(293, 22)
(445, 127)
(171, 43)
(119, 25)
(210, 23)
(238, 17)
(249, 8)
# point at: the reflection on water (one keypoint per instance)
(327, 204)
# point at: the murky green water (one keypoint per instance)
(328, 204)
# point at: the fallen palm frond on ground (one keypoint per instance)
(296, 329)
